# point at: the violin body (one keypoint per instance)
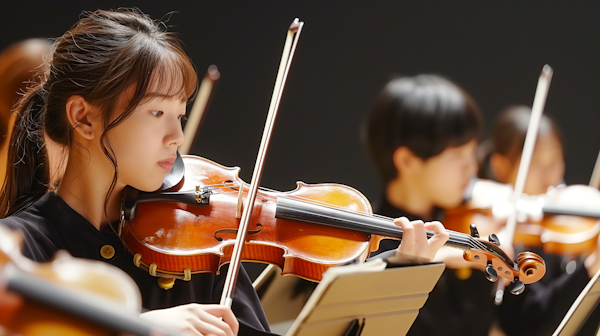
(177, 236)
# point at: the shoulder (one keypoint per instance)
(37, 231)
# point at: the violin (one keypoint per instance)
(191, 228)
(565, 220)
(68, 296)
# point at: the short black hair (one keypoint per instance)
(425, 113)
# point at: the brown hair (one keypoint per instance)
(508, 136)
(104, 54)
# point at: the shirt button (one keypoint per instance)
(107, 251)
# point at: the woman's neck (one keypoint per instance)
(84, 187)
(405, 194)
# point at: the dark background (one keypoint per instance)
(346, 53)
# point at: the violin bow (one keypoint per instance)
(595, 179)
(539, 101)
(203, 98)
(291, 42)
(530, 138)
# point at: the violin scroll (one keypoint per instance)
(528, 269)
(531, 267)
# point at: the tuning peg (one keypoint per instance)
(474, 232)
(490, 272)
(494, 239)
(517, 287)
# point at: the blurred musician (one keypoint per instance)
(539, 310)
(501, 162)
(422, 134)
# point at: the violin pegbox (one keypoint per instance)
(528, 269)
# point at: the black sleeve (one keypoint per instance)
(540, 309)
(36, 244)
(246, 304)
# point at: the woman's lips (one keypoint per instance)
(167, 164)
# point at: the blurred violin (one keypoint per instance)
(565, 220)
(68, 296)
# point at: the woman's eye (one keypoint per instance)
(157, 113)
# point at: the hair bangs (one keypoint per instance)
(173, 76)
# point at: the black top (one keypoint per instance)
(455, 306)
(50, 225)
(465, 307)
(540, 309)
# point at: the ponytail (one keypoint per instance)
(27, 173)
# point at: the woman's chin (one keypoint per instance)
(148, 187)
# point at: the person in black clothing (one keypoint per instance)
(114, 95)
(422, 134)
(541, 308)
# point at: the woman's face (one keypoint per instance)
(547, 166)
(145, 144)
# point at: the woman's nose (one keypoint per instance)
(175, 135)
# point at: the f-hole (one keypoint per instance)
(235, 231)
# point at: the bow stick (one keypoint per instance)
(291, 41)
(539, 101)
(203, 98)
(530, 138)
(595, 179)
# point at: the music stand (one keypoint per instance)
(367, 300)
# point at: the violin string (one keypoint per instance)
(458, 237)
(458, 240)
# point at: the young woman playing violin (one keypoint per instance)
(422, 134)
(114, 95)
(501, 162)
(540, 310)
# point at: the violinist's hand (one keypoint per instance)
(453, 258)
(196, 319)
(414, 238)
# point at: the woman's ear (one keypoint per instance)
(501, 167)
(80, 114)
(403, 159)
